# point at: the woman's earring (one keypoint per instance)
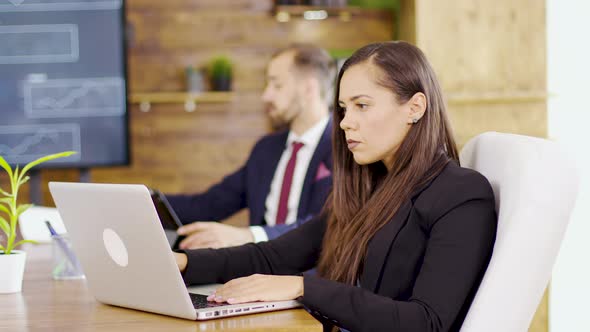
(415, 120)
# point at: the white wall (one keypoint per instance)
(568, 50)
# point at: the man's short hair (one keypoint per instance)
(308, 58)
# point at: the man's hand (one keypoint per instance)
(259, 287)
(213, 235)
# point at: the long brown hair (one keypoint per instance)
(366, 197)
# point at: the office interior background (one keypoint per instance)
(509, 66)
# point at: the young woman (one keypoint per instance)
(406, 235)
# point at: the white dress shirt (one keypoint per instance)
(310, 140)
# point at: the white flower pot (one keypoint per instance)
(12, 269)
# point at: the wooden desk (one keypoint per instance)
(45, 304)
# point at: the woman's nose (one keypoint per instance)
(346, 123)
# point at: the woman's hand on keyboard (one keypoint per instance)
(259, 287)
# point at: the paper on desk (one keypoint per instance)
(32, 223)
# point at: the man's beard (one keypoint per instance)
(281, 122)
(278, 123)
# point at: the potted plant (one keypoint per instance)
(12, 262)
(220, 73)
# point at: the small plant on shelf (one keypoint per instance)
(220, 73)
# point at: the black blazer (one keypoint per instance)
(249, 186)
(421, 271)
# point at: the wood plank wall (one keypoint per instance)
(490, 57)
(178, 151)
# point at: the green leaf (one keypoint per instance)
(25, 241)
(23, 181)
(5, 193)
(4, 226)
(22, 208)
(44, 159)
(1, 247)
(13, 180)
(5, 209)
(6, 167)
(6, 201)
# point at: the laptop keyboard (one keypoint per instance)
(200, 301)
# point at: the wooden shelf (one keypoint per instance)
(497, 98)
(190, 100)
(180, 97)
(344, 13)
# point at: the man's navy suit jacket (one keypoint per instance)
(249, 186)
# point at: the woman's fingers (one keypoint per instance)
(259, 288)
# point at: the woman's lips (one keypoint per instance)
(352, 143)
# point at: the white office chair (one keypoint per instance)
(535, 186)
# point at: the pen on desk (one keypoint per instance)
(64, 247)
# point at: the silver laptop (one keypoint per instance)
(120, 242)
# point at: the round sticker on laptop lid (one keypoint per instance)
(115, 247)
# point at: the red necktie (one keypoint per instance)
(286, 188)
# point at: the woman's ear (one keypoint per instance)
(417, 107)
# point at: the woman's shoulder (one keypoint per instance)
(454, 177)
(454, 186)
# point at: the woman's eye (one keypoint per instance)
(362, 106)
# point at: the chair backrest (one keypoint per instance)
(535, 186)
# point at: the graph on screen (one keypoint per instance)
(63, 84)
(21, 144)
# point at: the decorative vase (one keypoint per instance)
(12, 269)
(194, 80)
(222, 83)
